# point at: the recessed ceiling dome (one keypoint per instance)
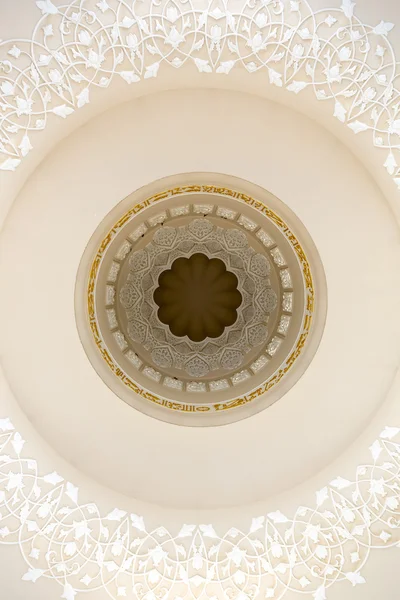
(201, 304)
(197, 297)
(113, 502)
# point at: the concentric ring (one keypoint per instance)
(177, 397)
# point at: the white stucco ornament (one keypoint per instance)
(307, 553)
(84, 45)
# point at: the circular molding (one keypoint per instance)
(376, 535)
(122, 319)
(299, 49)
(321, 209)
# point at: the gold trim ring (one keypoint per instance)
(276, 377)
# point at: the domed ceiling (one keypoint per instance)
(199, 334)
(185, 302)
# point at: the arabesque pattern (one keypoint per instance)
(229, 350)
(81, 46)
(84, 551)
(85, 44)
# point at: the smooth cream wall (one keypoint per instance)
(59, 209)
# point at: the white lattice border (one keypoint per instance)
(83, 45)
(87, 43)
(61, 539)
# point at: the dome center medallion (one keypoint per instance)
(197, 297)
(198, 307)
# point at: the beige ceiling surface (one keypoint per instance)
(118, 457)
(341, 208)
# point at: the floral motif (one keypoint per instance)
(73, 50)
(85, 551)
(76, 48)
(147, 304)
(197, 297)
(145, 282)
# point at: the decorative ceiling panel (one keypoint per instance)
(85, 45)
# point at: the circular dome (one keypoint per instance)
(60, 58)
(200, 301)
(197, 297)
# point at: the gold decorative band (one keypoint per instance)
(306, 325)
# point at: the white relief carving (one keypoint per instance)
(203, 209)
(112, 318)
(162, 357)
(197, 367)
(240, 377)
(120, 339)
(283, 324)
(265, 238)
(259, 364)
(83, 550)
(198, 359)
(135, 235)
(61, 539)
(134, 359)
(76, 48)
(247, 223)
(113, 273)
(175, 384)
(226, 213)
(128, 295)
(196, 386)
(287, 302)
(278, 257)
(222, 384)
(152, 374)
(274, 346)
(285, 278)
(123, 251)
(157, 219)
(110, 294)
(180, 211)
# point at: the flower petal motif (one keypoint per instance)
(24, 107)
(76, 537)
(165, 32)
(47, 7)
(197, 297)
